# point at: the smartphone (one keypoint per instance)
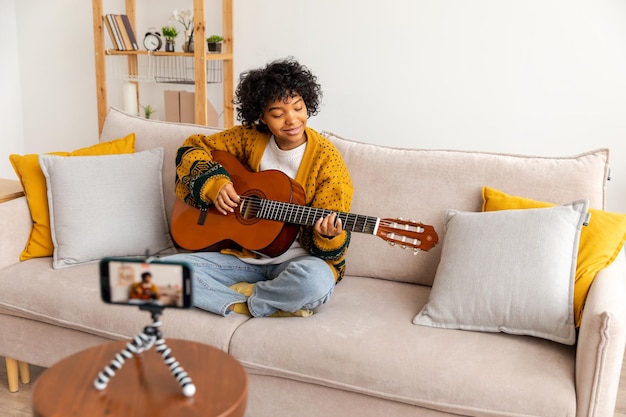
(137, 282)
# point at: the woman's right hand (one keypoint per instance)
(227, 199)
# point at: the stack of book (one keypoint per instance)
(121, 32)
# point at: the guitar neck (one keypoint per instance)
(306, 216)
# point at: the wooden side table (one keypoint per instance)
(10, 189)
(144, 386)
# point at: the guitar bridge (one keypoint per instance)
(202, 216)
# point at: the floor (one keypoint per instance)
(18, 404)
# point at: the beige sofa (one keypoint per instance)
(361, 354)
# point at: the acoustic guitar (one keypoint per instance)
(268, 217)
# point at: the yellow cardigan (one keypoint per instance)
(322, 173)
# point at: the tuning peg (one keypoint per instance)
(415, 251)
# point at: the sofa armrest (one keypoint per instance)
(601, 342)
(15, 225)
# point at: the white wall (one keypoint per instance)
(11, 133)
(540, 77)
(47, 78)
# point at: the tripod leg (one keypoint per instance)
(109, 371)
(139, 343)
(186, 384)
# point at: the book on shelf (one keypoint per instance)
(112, 31)
(118, 33)
(128, 46)
(130, 32)
(121, 32)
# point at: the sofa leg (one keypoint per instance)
(17, 368)
(12, 374)
(24, 368)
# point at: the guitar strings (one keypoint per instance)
(271, 207)
(396, 230)
(305, 215)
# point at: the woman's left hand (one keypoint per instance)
(329, 226)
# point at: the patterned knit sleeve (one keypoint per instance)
(198, 177)
(333, 192)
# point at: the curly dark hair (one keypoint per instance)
(279, 80)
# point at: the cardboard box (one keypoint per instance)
(180, 107)
(172, 106)
(187, 107)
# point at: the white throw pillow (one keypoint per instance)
(508, 271)
(108, 205)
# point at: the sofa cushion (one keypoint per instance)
(510, 271)
(600, 241)
(151, 134)
(27, 168)
(425, 183)
(108, 205)
(363, 342)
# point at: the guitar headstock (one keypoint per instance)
(408, 234)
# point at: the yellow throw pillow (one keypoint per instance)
(27, 168)
(600, 242)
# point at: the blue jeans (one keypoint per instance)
(305, 282)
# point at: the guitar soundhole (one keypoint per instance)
(250, 206)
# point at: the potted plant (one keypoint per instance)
(169, 33)
(148, 111)
(214, 43)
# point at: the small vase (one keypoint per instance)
(170, 45)
(188, 45)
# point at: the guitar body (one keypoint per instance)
(192, 230)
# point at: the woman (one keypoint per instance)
(273, 104)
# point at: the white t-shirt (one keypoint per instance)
(287, 162)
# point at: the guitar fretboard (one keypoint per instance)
(303, 215)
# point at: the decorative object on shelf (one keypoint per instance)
(169, 33)
(148, 111)
(185, 18)
(188, 46)
(214, 43)
(152, 40)
(130, 98)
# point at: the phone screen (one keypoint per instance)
(135, 282)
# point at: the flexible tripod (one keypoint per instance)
(150, 336)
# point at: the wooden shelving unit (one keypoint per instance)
(200, 59)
